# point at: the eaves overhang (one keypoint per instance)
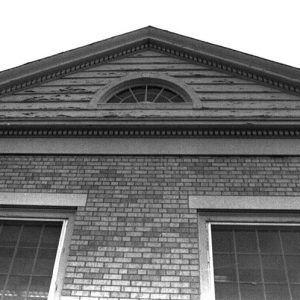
(223, 59)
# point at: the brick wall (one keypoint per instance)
(136, 238)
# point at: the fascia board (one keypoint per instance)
(74, 56)
(226, 55)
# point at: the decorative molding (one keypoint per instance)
(70, 69)
(101, 97)
(158, 46)
(151, 132)
(151, 146)
(244, 203)
(43, 199)
(225, 67)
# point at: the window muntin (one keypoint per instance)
(256, 261)
(28, 254)
(146, 93)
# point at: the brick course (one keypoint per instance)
(136, 238)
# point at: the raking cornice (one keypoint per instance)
(223, 59)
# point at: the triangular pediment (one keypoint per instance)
(222, 84)
(245, 65)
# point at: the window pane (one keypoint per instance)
(9, 235)
(269, 241)
(222, 241)
(114, 99)
(249, 268)
(124, 94)
(273, 268)
(224, 267)
(39, 287)
(246, 240)
(152, 93)
(161, 95)
(23, 261)
(291, 241)
(30, 236)
(168, 94)
(277, 292)
(295, 291)
(5, 258)
(51, 236)
(176, 99)
(293, 267)
(2, 282)
(252, 291)
(16, 288)
(129, 99)
(139, 93)
(161, 99)
(226, 291)
(45, 262)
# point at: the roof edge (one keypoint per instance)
(73, 56)
(225, 59)
(226, 54)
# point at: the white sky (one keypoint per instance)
(34, 29)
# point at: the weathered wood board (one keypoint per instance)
(222, 94)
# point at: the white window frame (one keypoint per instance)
(226, 210)
(46, 207)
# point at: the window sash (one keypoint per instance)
(208, 219)
(22, 224)
(66, 216)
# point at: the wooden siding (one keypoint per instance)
(221, 94)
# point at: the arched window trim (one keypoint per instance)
(190, 97)
(145, 93)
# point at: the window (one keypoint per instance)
(146, 94)
(249, 247)
(256, 261)
(146, 91)
(251, 256)
(27, 254)
(33, 253)
(35, 234)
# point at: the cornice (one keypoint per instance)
(59, 72)
(166, 46)
(154, 132)
(232, 68)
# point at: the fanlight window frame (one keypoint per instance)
(191, 100)
(146, 94)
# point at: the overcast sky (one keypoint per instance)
(34, 29)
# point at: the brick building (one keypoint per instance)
(150, 166)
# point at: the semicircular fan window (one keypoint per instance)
(146, 94)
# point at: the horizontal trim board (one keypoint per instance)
(151, 146)
(244, 202)
(43, 199)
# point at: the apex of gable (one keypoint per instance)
(228, 60)
(150, 78)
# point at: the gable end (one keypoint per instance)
(269, 73)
